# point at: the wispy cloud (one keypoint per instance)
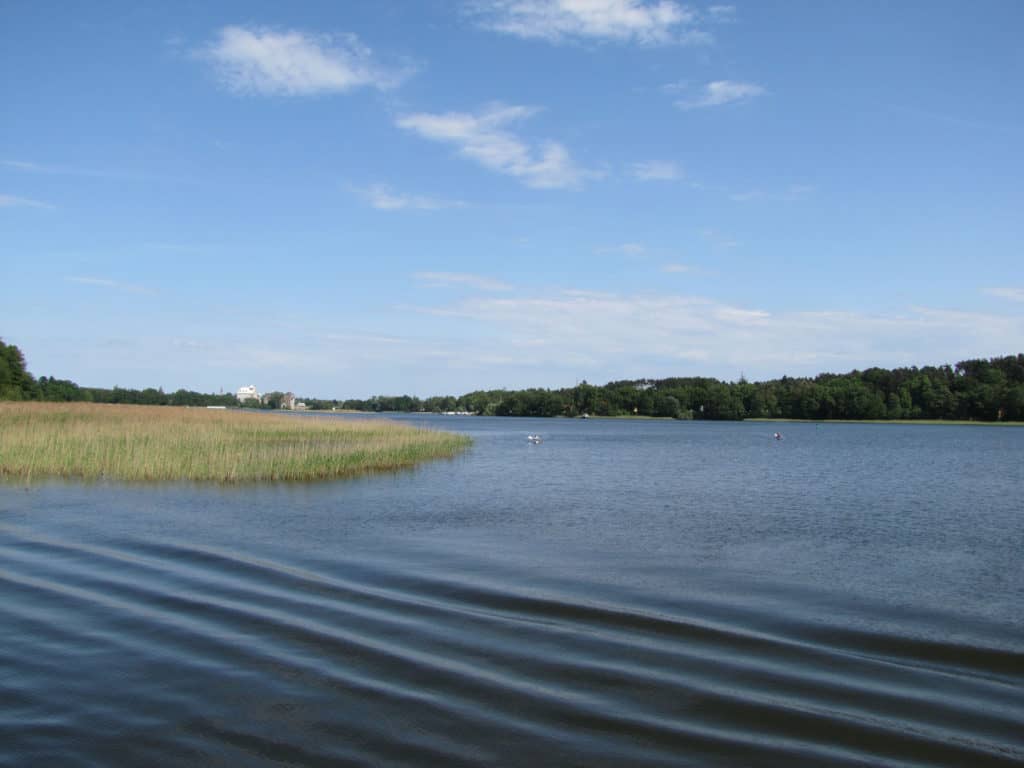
(13, 201)
(483, 137)
(721, 92)
(648, 22)
(624, 249)
(721, 14)
(23, 165)
(538, 337)
(294, 63)
(103, 282)
(676, 87)
(676, 268)
(177, 247)
(789, 194)
(366, 338)
(67, 170)
(383, 198)
(651, 334)
(720, 239)
(441, 279)
(1013, 294)
(656, 170)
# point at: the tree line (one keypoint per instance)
(16, 383)
(978, 390)
(975, 390)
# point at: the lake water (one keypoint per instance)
(624, 593)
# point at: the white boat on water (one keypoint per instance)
(535, 439)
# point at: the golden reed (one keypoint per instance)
(139, 443)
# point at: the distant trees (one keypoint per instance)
(198, 399)
(151, 396)
(979, 389)
(61, 390)
(16, 383)
(273, 400)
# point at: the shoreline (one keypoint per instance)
(765, 419)
(915, 422)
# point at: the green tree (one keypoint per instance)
(667, 405)
(60, 390)
(1013, 405)
(16, 383)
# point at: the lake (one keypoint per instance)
(623, 593)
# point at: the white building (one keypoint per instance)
(247, 393)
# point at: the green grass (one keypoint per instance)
(143, 443)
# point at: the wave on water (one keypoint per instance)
(151, 652)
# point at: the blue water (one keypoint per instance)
(624, 593)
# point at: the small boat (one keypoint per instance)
(535, 439)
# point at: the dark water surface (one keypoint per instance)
(625, 593)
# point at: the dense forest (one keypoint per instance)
(978, 390)
(981, 390)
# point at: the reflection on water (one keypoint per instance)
(622, 593)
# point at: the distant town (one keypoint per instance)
(284, 400)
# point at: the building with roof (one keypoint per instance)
(247, 393)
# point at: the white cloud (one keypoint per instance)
(722, 92)
(93, 281)
(651, 334)
(293, 63)
(656, 171)
(366, 338)
(23, 165)
(676, 268)
(96, 173)
(743, 197)
(482, 137)
(1013, 294)
(624, 249)
(721, 14)
(103, 282)
(381, 197)
(442, 279)
(640, 21)
(792, 193)
(13, 201)
(177, 247)
(720, 239)
(529, 337)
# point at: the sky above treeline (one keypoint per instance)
(432, 197)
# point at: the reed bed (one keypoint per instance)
(140, 443)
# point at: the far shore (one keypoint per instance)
(766, 419)
(922, 422)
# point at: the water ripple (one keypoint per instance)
(164, 651)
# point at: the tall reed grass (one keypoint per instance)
(137, 443)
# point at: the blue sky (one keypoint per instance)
(347, 199)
